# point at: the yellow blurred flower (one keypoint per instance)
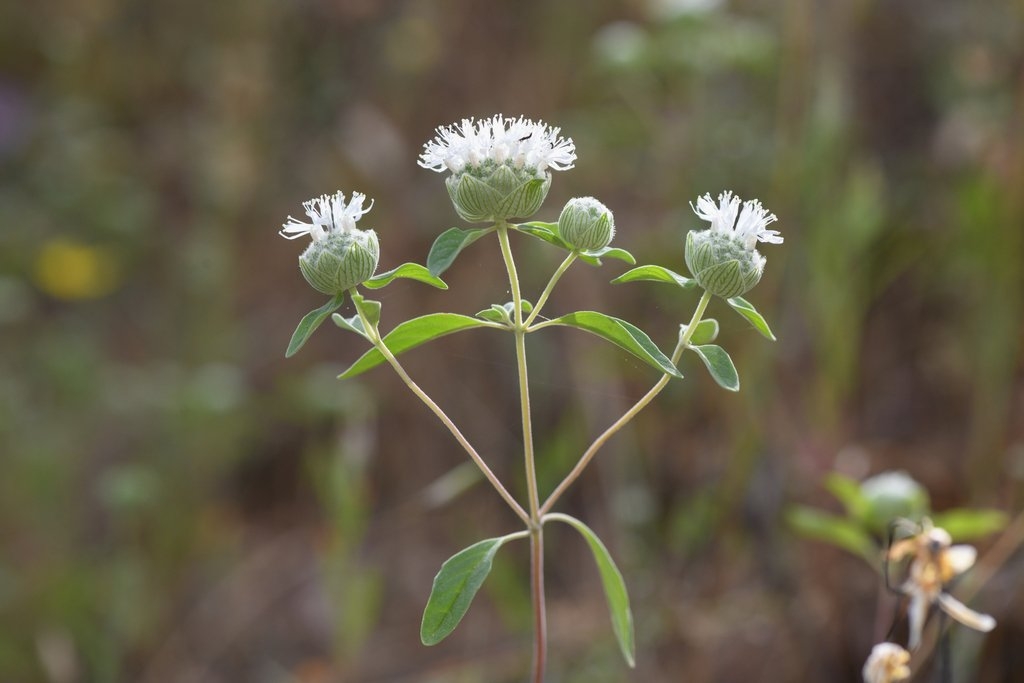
(69, 270)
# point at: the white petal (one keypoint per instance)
(965, 615)
(917, 613)
(961, 558)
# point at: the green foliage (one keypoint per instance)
(311, 321)
(719, 364)
(409, 335)
(965, 524)
(449, 244)
(454, 588)
(621, 333)
(842, 532)
(705, 332)
(548, 232)
(503, 313)
(412, 271)
(747, 310)
(614, 587)
(652, 273)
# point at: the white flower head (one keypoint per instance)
(751, 225)
(519, 143)
(887, 663)
(329, 215)
(934, 563)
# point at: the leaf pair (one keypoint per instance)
(462, 575)
(312, 320)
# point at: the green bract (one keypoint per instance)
(586, 224)
(495, 192)
(340, 261)
(721, 263)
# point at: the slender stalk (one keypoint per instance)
(536, 535)
(441, 415)
(588, 455)
(550, 286)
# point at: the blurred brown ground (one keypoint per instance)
(178, 503)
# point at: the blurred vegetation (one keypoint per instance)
(177, 503)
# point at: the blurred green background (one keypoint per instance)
(179, 503)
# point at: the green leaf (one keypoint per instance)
(503, 313)
(655, 274)
(614, 588)
(454, 588)
(848, 492)
(311, 321)
(370, 308)
(719, 364)
(353, 324)
(622, 334)
(747, 310)
(964, 524)
(706, 332)
(544, 231)
(838, 531)
(448, 245)
(411, 334)
(412, 271)
(593, 257)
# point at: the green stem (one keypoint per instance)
(588, 455)
(550, 286)
(536, 536)
(375, 339)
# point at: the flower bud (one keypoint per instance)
(496, 193)
(893, 495)
(340, 261)
(586, 224)
(721, 263)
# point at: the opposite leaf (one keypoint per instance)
(655, 274)
(594, 257)
(448, 245)
(412, 271)
(838, 531)
(747, 310)
(614, 588)
(622, 334)
(706, 332)
(411, 334)
(720, 365)
(454, 588)
(310, 322)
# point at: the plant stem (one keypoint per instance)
(684, 339)
(441, 415)
(536, 535)
(550, 286)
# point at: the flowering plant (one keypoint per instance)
(500, 168)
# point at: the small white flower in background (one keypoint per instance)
(340, 256)
(520, 143)
(723, 258)
(329, 214)
(935, 561)
(888, 663)
(752, 223)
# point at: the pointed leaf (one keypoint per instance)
(353, 324)
(848, 492)
(454, 588)
(504, 313)
(655, 274)
(706, 332)
(544, 231)
(622, 334)
(411, 334)
(614, 588)
(747, 310)
(594, 256)
(310, 322)
(967, 525)
(412, 271)
(720, 365)
(370, 308)
(449, 244)
(838, 531)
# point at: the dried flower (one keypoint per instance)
(500, 167)
(723, 258)
(934, 563)
(887, 663)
